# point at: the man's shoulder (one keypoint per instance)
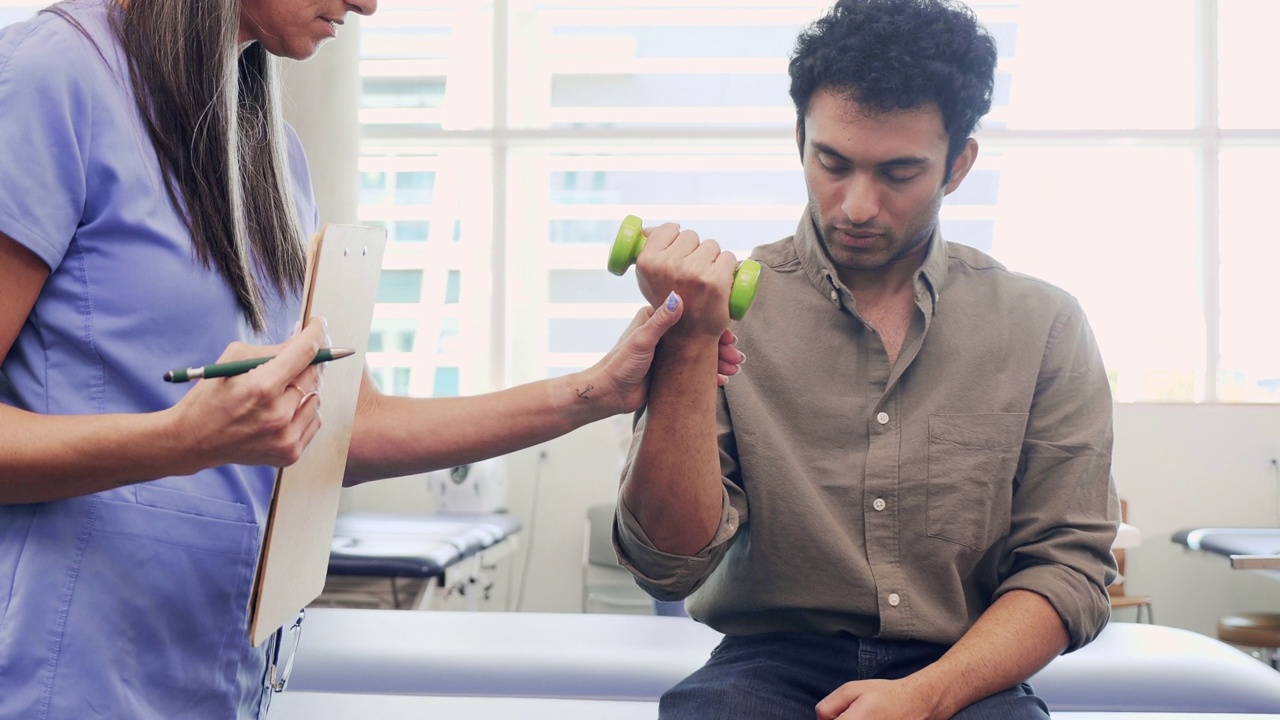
(777, 255)
(967, 264)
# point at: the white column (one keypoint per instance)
(322, 102)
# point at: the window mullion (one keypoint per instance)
(499, 316)
(1207, 126)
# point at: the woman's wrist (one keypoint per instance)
(593, 395)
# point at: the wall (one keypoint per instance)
(322, 103)
(1185, 466)
(550, 488)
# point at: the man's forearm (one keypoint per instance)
(673, 486)
(1016, 637)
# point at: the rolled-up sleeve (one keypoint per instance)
(1065, 513)
(674, 577)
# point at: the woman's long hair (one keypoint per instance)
(213, 114)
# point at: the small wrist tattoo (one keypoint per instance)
(586, 393)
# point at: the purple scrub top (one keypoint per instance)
(131, 602)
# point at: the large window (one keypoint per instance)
(1130, 158)
(1126, 160)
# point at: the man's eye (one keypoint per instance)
(831, 164)
(901, 176)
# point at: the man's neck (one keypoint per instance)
(892, 280)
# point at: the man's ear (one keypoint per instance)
(800, 136)
(962, 165)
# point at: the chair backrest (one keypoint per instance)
(606, 585)
(600, 536)
(1116, 588)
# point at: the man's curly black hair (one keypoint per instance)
(899, 54)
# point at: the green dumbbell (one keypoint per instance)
(630, 241)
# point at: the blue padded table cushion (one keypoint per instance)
(1231, 541)
(420, 546)
(391, 557)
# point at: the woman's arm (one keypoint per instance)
(254, 418)
(396, 436)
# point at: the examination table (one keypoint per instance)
(392, 664)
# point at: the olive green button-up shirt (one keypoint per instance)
(900, 500)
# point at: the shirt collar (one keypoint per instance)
(819, 269)
(933, 271)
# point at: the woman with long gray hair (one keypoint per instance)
(153, 207)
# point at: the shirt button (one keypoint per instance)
(894, 599)
(835, 295)
(882, 418)
(878, 504)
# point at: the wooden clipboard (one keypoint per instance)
(342, 282)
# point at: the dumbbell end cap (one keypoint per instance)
(745, 283)
(626, 246)
(618, 261)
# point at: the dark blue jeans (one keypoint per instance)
(781, 676)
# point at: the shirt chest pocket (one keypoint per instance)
(972, 461)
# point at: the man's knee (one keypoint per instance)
(1016, 703)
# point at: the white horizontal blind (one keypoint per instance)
(427, 83)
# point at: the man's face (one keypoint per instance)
(875, 181)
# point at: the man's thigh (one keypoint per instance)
(776, 675)
(779, 676)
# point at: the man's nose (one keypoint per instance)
(861, 199)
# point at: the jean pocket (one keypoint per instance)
(972, 462)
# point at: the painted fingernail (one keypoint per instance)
(672, 301)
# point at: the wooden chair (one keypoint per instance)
(1119, 598)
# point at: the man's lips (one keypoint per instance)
(857, 238)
